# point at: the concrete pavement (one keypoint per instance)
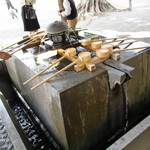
(133, 23)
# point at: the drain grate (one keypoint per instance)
(32, 129)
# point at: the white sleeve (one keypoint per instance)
(67, 8)
(28, 2)
(33, 1)
(22, 2)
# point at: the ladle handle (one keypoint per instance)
(124, 43)
(111, 38)
(49, 66)
(23, 40)
(30, 41)
(117, 41)
(103, 39)
(19, 45)
(14, 44)
(57, 73)
(120, 50)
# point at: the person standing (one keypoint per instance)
(30, 25)
(68, 10)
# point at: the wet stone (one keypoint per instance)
(2, 143)
(5, 142)
(3, 131)
(5, 136)
(1, 126)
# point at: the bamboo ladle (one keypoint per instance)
(74, 62)
(98, 43)
(70, 52)
(8, 53)
(82, 58)
(23, 46)
(105, 53)
(29, 41)
(15, 44)
(57, 73)
(87, 41)
(49, 66)
(110, 46)
(34, 38)
(23, 40)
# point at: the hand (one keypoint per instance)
(60, 10)
(59, 14)
(4, 55)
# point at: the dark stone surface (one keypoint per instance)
(81, 109)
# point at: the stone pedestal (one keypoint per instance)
(81, 109)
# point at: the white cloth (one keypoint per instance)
(67, 8)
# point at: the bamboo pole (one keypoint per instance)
(57, 73)
(24, 45)
(117, 41)
(26, 38)
(111, 38)
(14, 44)
(120, 50)
(25, 42)
(92, 39)
(124, 43)
(106, 53)
(49, 66)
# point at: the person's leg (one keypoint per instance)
(72, 23)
